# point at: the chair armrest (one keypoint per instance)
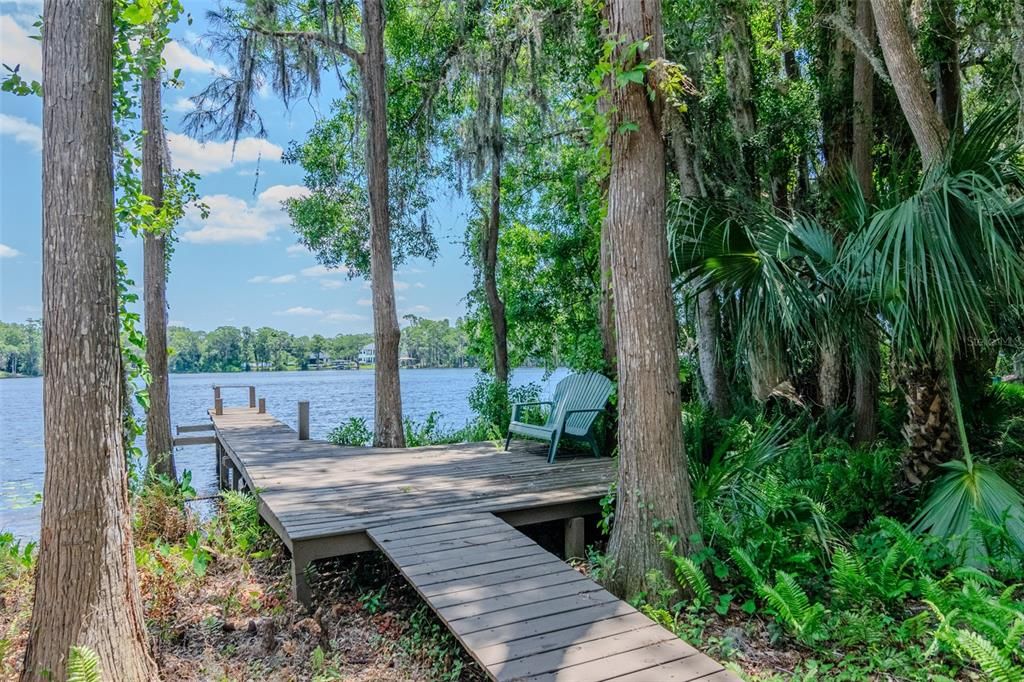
(569, 413)
(515, 408)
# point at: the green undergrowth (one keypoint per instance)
(810, 569)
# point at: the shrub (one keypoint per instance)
(354, 432)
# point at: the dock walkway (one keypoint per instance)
(446, 516)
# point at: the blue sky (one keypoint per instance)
(241, 266)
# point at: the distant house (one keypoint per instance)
(319, 359)
(367, 355)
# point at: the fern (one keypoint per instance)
(691, 577)
(849, 580)
(746, 566)
(83, 665)
(793, 608)
(994, 662)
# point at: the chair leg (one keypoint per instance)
(554, 448)
(508, 440)
(593, 445)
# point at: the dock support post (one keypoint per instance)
(216, 393)
(575, 547)
(263, 405)
(252, 397)
(303, 420)
(222, 467)
(300, 586)
(218, 406)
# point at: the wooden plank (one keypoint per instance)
(501, 577)
(189, 428)
(538, 626)
(653, 660)
(195, 440)
(469, 530)
(559, 585)
(491, 656)
(487, 593)
(575, 652)
(470, 558)
(530, 611)
(458, 546)
(678, 672)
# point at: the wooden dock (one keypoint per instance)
(446, 516)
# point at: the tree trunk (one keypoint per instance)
(159, 442)
(930, 429)
(387, 428)
(865, 393)
(911, 89)
(87, 591)
(607, 303)
(830, 375)
(947, 64)
(739, 70)
(499, 324)
(653, 486)
(864, 106)
(709, 332)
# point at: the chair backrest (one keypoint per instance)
(588, 391)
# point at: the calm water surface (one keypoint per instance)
(334, 396)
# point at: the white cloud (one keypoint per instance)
(21, 130)
(343, 317)
(259, 279)
(301, 310)
(420, 285)
(183, 105)
(364, 301)
(178, 56)
(321, 271)
(416, 309)
(282, 279)
(331, 284)
(17, 47)
(235, 220)
(8, 252)
(400, 285)
(296, 249)
(211, 157)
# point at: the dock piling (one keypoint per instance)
(263, 406)
(303, 420)
(252, 397)
(218, 406)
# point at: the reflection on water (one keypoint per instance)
(333, 395)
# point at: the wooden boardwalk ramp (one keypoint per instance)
(523, 614)
(445, 516)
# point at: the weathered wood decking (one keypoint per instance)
(445, 517)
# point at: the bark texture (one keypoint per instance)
(864, 106)
(499, 323)
(865, 393)
(947, 66)
(87, 591)
(159, 441)
(911, 89)
(653, 486)
(930, 429)
(831, 375)
(606, 313)
(387, 429)
(739, 70)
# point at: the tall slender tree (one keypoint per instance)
(155, 156)
(87, 591)
(653, 486)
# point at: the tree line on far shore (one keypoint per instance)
(425, 343)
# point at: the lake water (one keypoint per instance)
(334, 396)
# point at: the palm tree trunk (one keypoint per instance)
(930, 429)
(831, 371)
(865, 393)
(159, 443)
(653, 486)
(864, 106)
(387, 421)
(86, 591)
